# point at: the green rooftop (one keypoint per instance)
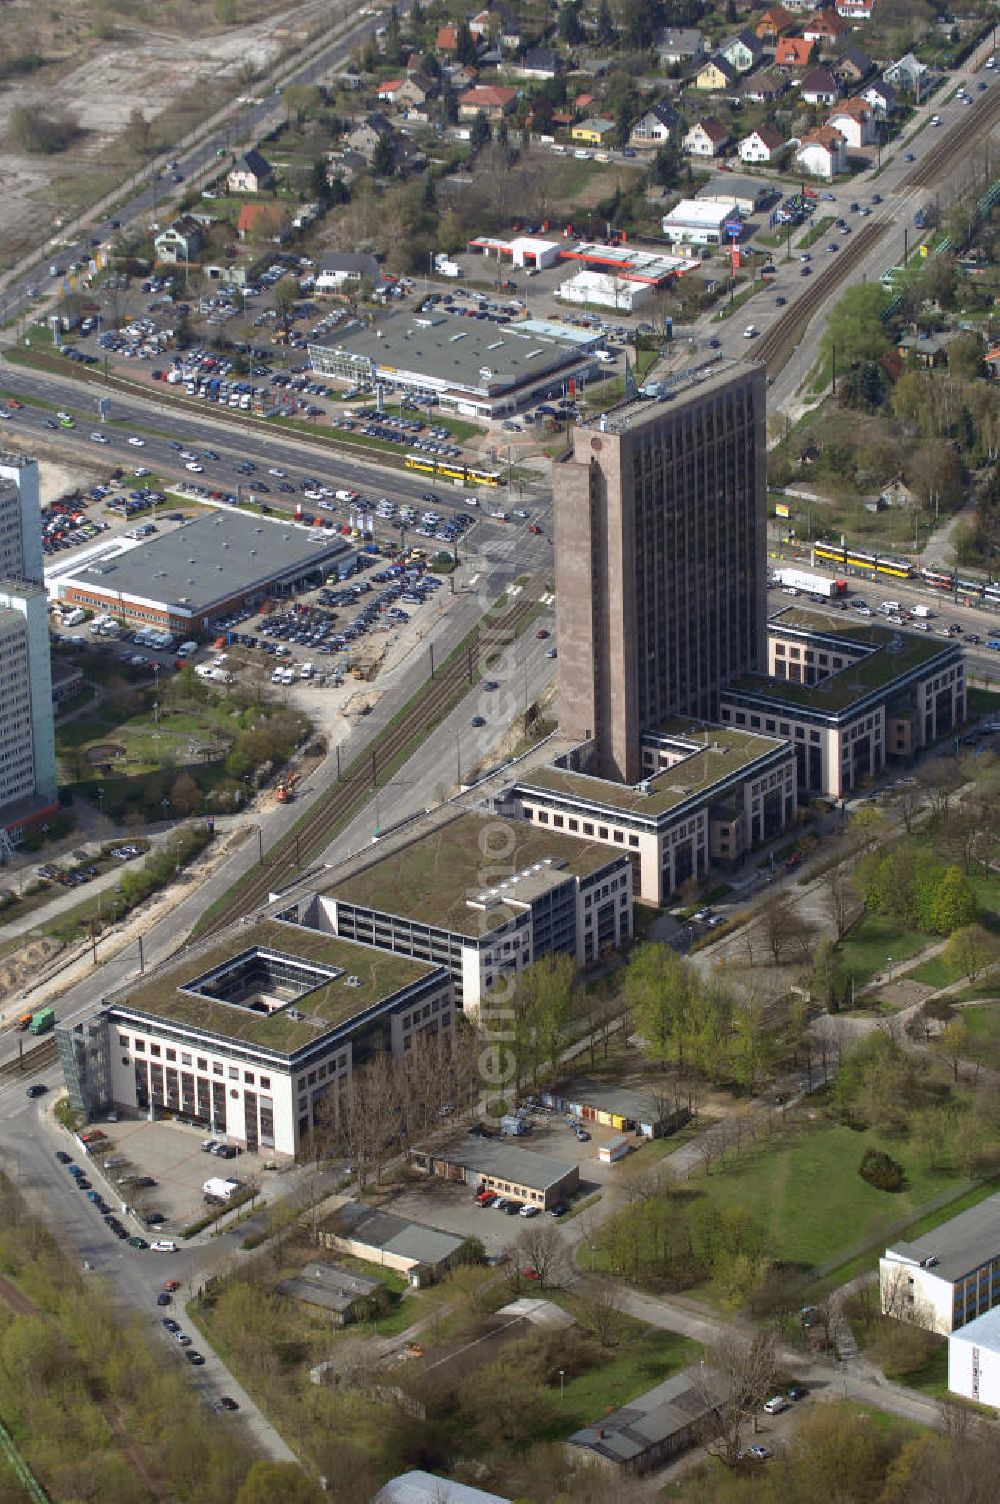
(431, 879)
(379, 976)
(723, 752)
(889, 653)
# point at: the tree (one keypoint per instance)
(659, 985)
(828, 984)
(971, 948)
(740, 1369)
(570, 26)
(480, 132)
(465, 46)
(267, 1481)
(392, 46)
(383, 158)
(540, 1247)
(965, 358)
(954, 903)
(782, 924)
(955, 1040)
(185, 795)
(841, 899)
(139, 133)
(855, 329)
(606, 34)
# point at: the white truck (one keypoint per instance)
(809, 583)
(224, 1189)
(921, 612)
(209, 671)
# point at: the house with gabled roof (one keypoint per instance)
(655, 127)
(825, 26)
(793, 52)
(446, 39)
(364, 135)
(250, 174)
(717, 73)
(764, 86)
(495, 101)
(539, 62)
(881, 96)
(820, 87)
(682, 44)
(855, 120)
(908, 73)
(765, 144)
(773, 23)
(706, 138)
(742, 51)
(855, 10)
(822, 153)
(852, 67)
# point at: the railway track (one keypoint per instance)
(31, 1062)
(341, 801)
(782, 339)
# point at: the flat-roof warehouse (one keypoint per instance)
(468, 365)
(188, 578)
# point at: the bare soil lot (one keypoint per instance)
(95, 63)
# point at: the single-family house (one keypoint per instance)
(706, 138)
(365, 135)
(793, 52)
(822, 153)
(180, 241)
(684, 45)
(825, 27)
(852, 67)
(882, 98)
(765, 144)
(262, 222)
(820, 87)
(581, 104)
(495, 101)
(497, 23)
(992, 361)
(927, 350)
(539, 62)
(855, 121)
(446, 39)
(764, 86)
(416, 89)
(593, 132)
(742, 51)
(250, 174)
(908, 73)
(387, 91)
(339, 268)
(773, 23)
(855, 10)
(461, 75)
(717, 73)
(655, 127)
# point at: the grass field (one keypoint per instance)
(809, 1195)
(937, 972)
(983, 1021)
(867, 947)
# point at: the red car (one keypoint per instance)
(530, 1272)
(542, 633)
(170, 1285)
(534, 528)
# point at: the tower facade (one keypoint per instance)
(661, 562)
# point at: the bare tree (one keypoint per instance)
(841, 899)
(601, 1312)
(781, 925)
(739, 1373)
(542, 1249)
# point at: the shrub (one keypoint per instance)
(882, 1171)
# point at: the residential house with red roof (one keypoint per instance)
(822, 153)
(793, 52)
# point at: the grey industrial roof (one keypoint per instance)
(330, 1286)
(673, 1406)
(496, 1157)
(607, 1097)
(729, 186)
(451, 348)
(427, 1488)
(959, 1245)
(214, 557)
(391, 1234)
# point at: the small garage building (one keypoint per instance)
(617, 1107)
(498, 1165)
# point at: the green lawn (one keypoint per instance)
(809, 1195)
(937, 972)
(983, 1021)
(867, 947)
(645, 1356)
(817, 232)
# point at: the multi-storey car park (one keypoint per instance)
(247, 1033)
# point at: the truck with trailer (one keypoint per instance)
(809, 583)
(42, 1021)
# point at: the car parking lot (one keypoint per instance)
(169, 1156)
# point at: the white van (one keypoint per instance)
(306, 671)
(186, 649)
(750, 332)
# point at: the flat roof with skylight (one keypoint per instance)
(448, 878)
(276, 985)
(717, 754)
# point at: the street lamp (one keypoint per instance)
(165, 806)
(888, 968)
(562, 1384)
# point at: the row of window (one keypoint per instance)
(218, 1069)
(581, 827)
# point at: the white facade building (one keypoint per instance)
(246, 1035)
(20, 520)
(605, 290)
(947, 1278)
(699, 221)
(974, 1360)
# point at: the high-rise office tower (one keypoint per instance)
(20, 520)
(27, 737)
(661, 567)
